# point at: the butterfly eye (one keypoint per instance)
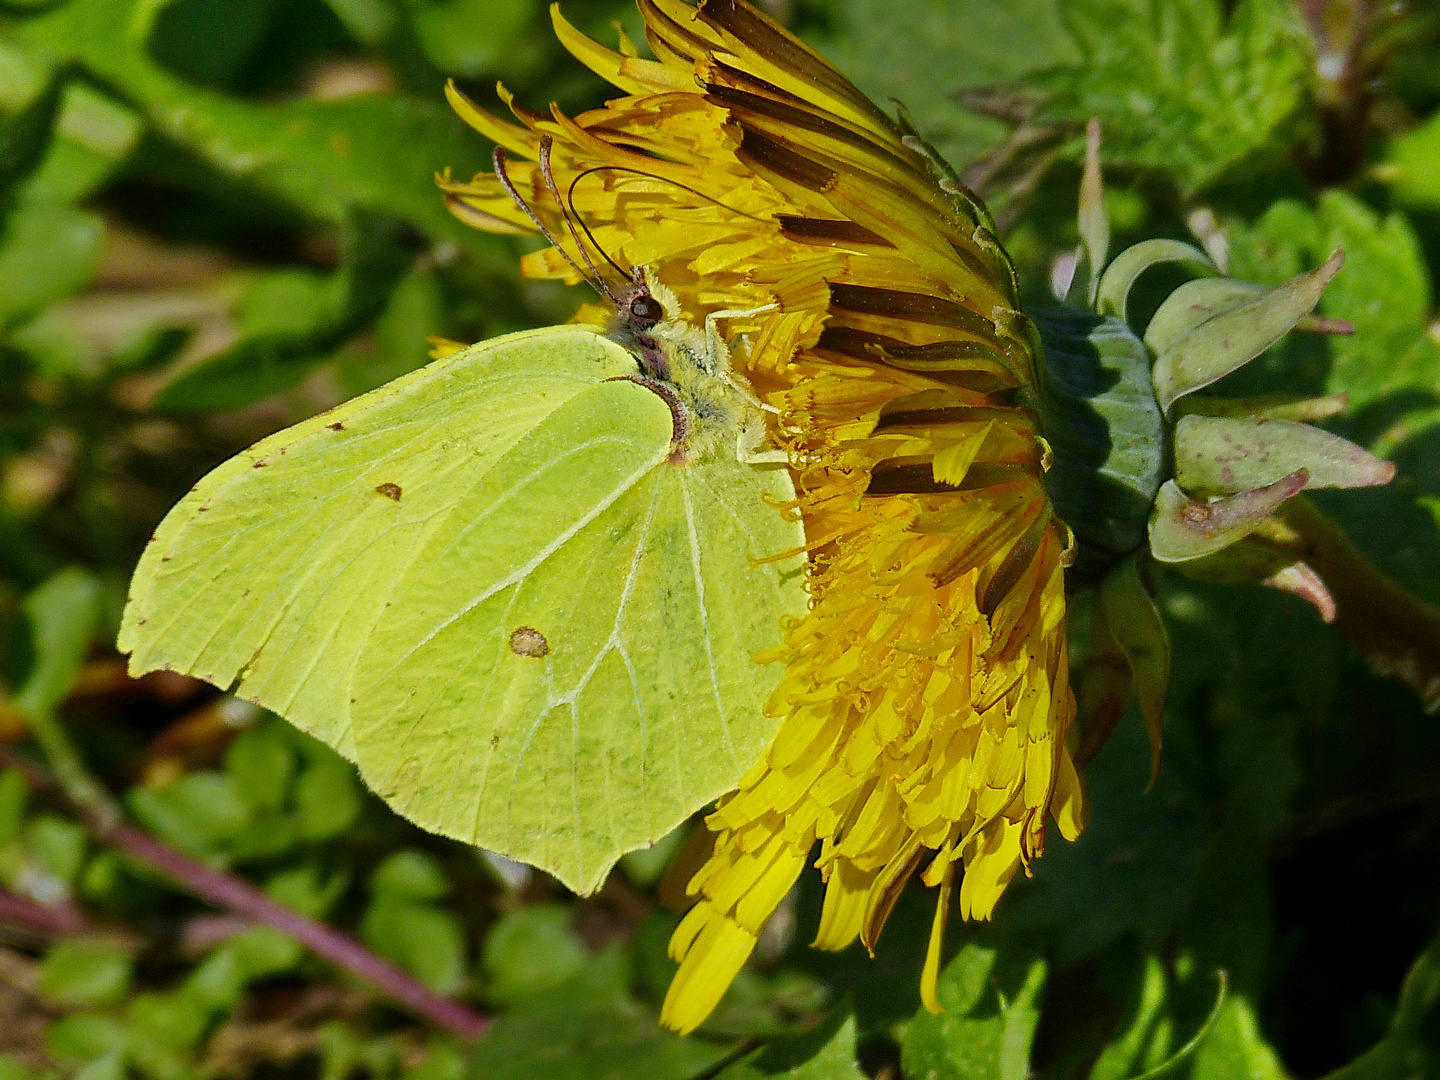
(646, 311)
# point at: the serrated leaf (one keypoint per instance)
(991, 996)
(923, 55)
(1179, 87)
(1384, 291)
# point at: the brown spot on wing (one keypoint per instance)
(527, 641)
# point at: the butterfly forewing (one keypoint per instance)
(489, 585)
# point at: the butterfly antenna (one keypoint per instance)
(663, 180)
(572, 216)
(502, 174)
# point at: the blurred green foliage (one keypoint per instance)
(217, 217)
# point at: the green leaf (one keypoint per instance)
(1411, 1049)
(171, 1022)
(327, 798)
(378, 151)
(201, 812)
(370, 21)
(84, 973)
(645, 866)
(826, 1053)
(1414, 164)
(1383, 290)
(530, 951)
(291, 319)
(1235, 1050)
(109, 1067)
(93, 136)
(416, 309)
(423, 939)
(589, 1027)
(56, 844)
(47, 252)
(991, 997)
(31, 90)
(83, 1037)
(219, 981)
(923, 55)
(447, 522)
(63, 613)
(260, 761)
(472, 37)
(263, 951)
(1177, 86)
(14, 795)
(1145, 1037)
(409, 875)
(303, 890)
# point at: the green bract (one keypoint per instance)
(487, 585)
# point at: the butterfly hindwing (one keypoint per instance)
(585, 695)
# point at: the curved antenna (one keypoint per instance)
(661, 179)
(546, 174)
(593, 278)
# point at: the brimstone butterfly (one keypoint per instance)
(520, 587)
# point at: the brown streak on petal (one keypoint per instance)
(887, 888)
(1017, 560)
(918, 478)
(756, 149)
(917, 307)
(787, 53)
(953, 414)
(798, 118)
(829, 232)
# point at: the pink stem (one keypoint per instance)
(228, 891)
(239, 896)
(62, 918)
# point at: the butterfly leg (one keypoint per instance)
(752, 442)
(717, 353)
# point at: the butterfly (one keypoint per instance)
(519, 587)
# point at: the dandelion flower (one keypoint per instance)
(926, 700)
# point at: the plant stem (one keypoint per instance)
(51, 918)
(1397, 634)
(99, 811)
(228, 891)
